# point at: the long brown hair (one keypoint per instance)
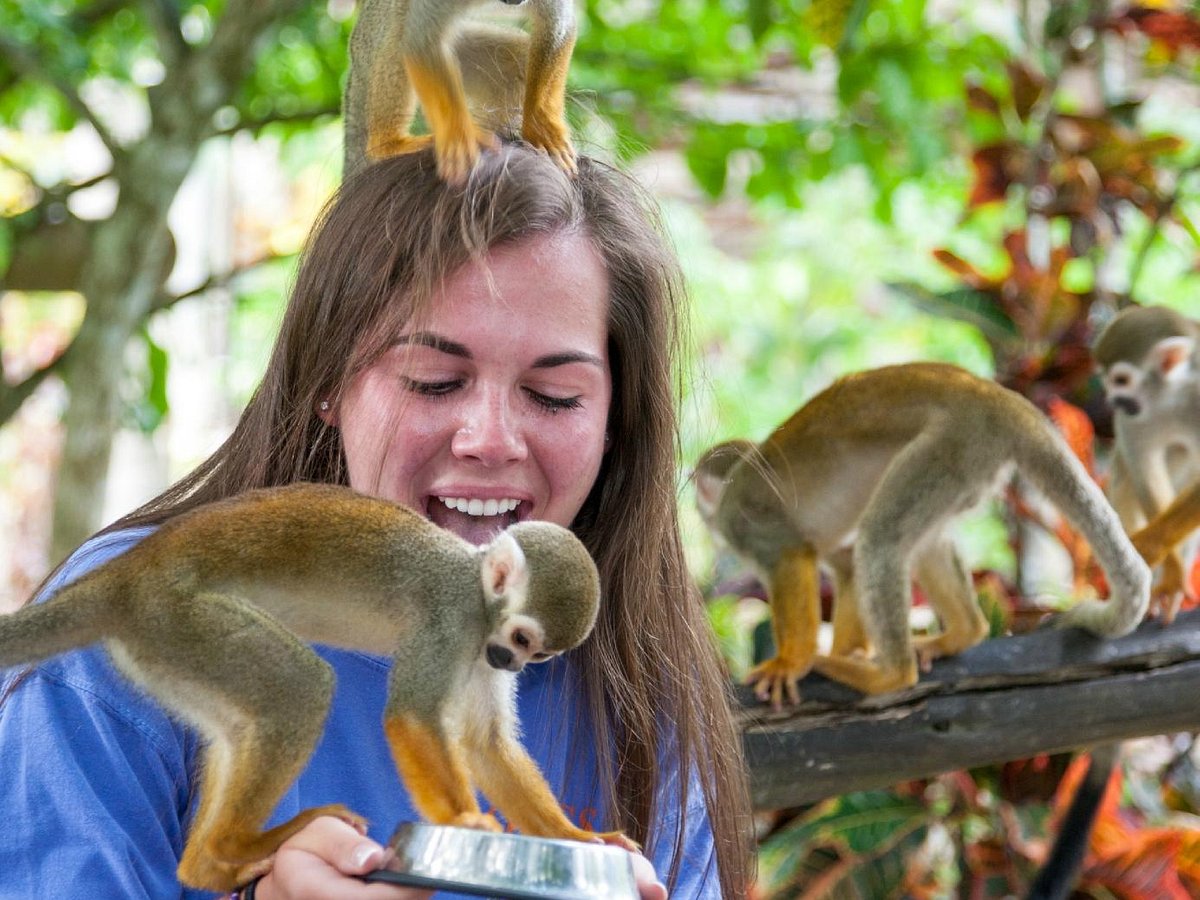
(391, 234)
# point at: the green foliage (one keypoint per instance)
(856, 845)
(151, 406)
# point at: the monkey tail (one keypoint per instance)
(1057, 472)
(74, 617)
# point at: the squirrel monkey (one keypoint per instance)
(211, 613)
(1151, 373)
(431, 51)
(867, 476)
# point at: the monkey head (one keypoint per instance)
(1143, 353)
(711, 474)
(544, 590)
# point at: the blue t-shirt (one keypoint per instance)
(97, 782)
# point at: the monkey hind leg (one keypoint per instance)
(457, 139)
(944, 578)
(849, 636)
(512, 781)
(432, 768)
(929, 481)
(260, 696)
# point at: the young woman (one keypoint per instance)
(489, 354)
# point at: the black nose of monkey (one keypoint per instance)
(499, 657)
(1128, 405)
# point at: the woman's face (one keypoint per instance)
(493, 409)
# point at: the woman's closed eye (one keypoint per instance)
(443, 387)
(431, 388)
(552, 403)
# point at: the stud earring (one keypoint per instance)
(323, 406)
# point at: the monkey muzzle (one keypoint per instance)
(502, 658)
(1127, 405)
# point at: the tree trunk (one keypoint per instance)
(129, 257)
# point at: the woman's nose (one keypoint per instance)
(489, 432)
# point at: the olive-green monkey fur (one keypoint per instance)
(211, 614)
(473, 79)
(866, 477)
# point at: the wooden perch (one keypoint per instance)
(1007, 698)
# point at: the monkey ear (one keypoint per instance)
(1170, 355)
(504, 569)
(708, 492)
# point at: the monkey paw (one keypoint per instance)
(478, 820)
(776, 677)
(386, 147)
(1165, 605)
(618, 839)
(458, 153)
(551, 135)
(867, 676)
(1170, 591)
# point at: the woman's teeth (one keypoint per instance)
(479, 507)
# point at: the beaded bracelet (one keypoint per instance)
(246, 892)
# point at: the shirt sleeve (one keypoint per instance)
(94, 786)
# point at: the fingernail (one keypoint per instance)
(367, 856)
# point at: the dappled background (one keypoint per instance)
(849, 183)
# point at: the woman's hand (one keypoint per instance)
(648, 885)
(321, 860)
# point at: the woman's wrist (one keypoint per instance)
(246, 892)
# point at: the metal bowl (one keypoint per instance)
(515, 866)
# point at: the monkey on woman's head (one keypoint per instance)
(473, 79)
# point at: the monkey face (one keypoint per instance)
(518, 640)
(1123, 388)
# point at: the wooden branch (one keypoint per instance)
(1008, 698)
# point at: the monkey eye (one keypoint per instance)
(521, 639)
(1120, 380)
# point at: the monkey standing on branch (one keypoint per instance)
(471, 78)
(1151, 373)
(210, 615)
(867, 476)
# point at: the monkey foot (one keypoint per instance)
(458, 153)
(864, 676)
(936, 646)
(775, 678)
(478, 820)
(552, 137)
(1165, 606)
(386, 147)
(618, 839)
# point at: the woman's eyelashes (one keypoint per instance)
(431, 388)
(441, 388)
(554, 404)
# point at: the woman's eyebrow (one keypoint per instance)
(436, 342)
(454, 348)
(550, 360)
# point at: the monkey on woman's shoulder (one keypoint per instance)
(212, 615)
